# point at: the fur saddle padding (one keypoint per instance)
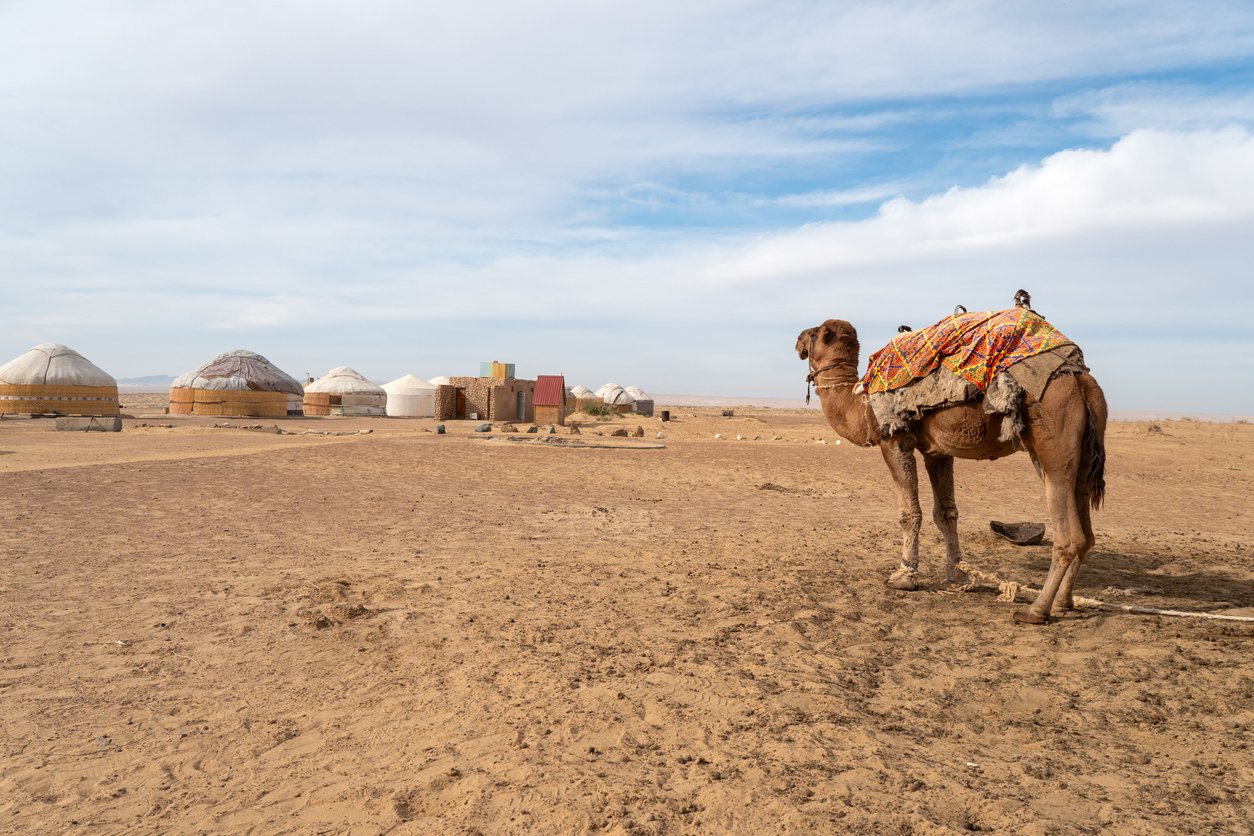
(974, 346)
(899, 410)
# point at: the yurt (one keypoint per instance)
(53, 378)
(644, 401)
(618, 400)
(344, 391)
(609, 387)
(617, 397)
(410, 397)
(440, 380)
(585, 397)
(238, 383)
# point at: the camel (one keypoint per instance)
(1064, 433)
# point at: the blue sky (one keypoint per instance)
(652, 193)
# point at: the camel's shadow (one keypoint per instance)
(1136, 574)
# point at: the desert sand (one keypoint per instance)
(223, 630)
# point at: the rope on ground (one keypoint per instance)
(903, 573)
(1010, 591)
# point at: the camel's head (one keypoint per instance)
(804, 340)
(827, 343)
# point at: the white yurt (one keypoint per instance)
(644, 401)
(410, 397)
(618, 399)
(238, 383)
(440, 380)
(53, 378)
(609, 387)
(344, 391)
(582, 391)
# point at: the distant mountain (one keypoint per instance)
(151, 383)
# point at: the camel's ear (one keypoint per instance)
(841, 333)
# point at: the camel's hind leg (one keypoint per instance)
(1065, 601)
(940, 471)
(899, 456)
(1056, 430)
(1065, 521)
(1090, 483)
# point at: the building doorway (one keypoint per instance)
(459, 408)
(522, 406)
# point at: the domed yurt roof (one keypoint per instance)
(239, 371)
(344, 391)
(582, 391)
(410, 397)
(53, 379)
(53, 364)
(600, 393)
(440, 380)
(344, 381)
(406, 385)
(638, 393)
(617, 397)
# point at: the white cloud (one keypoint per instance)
(843, 197)
(1155, 215)
(1148, 183)
(1123, 108)
(535, 61)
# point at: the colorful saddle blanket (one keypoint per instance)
(974, 346)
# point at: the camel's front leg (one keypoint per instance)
(940, 471)
(899, 456)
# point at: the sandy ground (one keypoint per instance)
(233, 631)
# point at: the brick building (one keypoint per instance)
(486, 398)
(551, 402)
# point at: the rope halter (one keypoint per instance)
(812, 377)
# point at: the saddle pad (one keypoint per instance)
(974, 346)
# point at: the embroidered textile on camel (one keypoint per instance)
(993, 355)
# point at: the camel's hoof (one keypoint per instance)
(1062, 607)
(1029, 617)
(903, 579)
(961, 580)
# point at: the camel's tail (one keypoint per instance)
(1093, 459)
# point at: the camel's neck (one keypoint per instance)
(846, 412)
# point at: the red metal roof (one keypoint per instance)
(550, 390)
